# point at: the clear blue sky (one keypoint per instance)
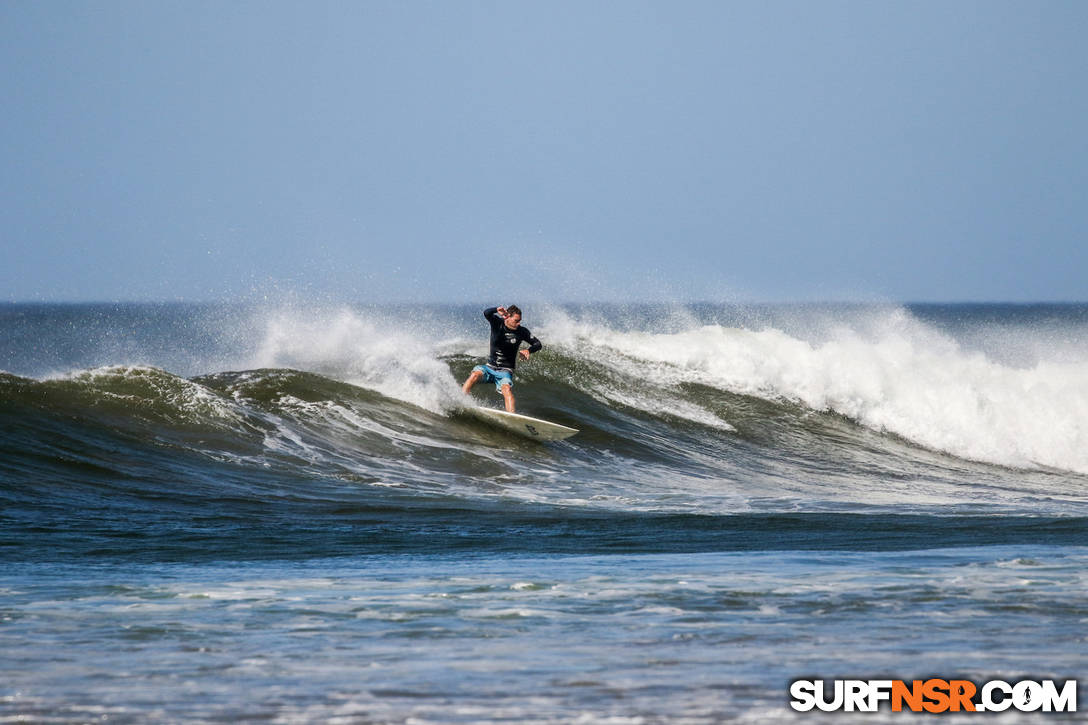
(463, 151)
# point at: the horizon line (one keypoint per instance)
(403, 303)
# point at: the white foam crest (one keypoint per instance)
(898, 376)
(395, 357)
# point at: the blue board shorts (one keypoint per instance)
(499, 377)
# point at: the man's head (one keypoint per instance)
(513, 317)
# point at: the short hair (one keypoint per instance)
(513, 310)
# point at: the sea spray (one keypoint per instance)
(392, 353)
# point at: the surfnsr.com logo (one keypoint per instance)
(933, 695)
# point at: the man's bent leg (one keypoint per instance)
(508, 396)
(472, 379)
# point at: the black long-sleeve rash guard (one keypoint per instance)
(505, 342)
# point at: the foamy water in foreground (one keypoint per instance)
(692, 638)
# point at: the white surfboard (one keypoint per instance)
(541, 430)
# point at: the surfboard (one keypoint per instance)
(535, 428)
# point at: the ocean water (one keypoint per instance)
(225, 513)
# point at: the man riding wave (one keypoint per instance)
(507, 334)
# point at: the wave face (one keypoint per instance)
(725, 426)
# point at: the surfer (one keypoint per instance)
(507, 334)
